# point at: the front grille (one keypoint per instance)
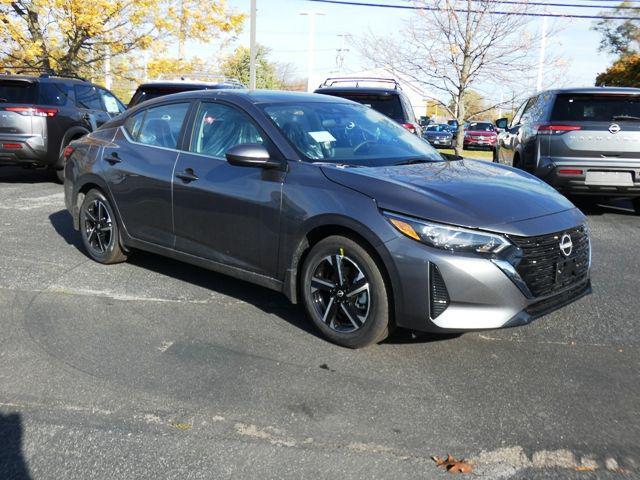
(438, 290)
(542, 258)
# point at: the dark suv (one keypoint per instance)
(147, 91)
(390, 101)
(40, 115)
(581, 141)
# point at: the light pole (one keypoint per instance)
(312, 47)
(252, 47)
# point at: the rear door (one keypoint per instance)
(89, 102)
(139, 170)
(595, 127)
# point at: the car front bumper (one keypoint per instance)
(572, 177)
(482, 293)
(476, 143)
(439, 142)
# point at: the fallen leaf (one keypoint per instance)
(181, 426)
(452, 465)
(586, 468)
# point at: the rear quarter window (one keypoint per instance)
(594, 108)
(12, 91)
(53, 93)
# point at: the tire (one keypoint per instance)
(353, 313)
(495, 156)
(59, 175)
(636, 205)
(102, 245)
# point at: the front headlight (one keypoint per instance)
(454, 239)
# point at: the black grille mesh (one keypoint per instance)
(439, 294)
(540, 257)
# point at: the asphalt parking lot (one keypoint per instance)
(155, 369)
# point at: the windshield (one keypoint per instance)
(438, 128)
(480, 126)
(348, 134)
(595, 108)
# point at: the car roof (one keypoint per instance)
(187, 85)
(596, 90)
(249, 96)
(45, 78)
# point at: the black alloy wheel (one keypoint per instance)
(99, 229)
(345, 293)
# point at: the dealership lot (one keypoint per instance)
(161, 369)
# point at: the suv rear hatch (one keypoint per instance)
(386, 103)
(16, 97)
(593, 126)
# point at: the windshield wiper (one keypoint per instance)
(413, 161)
(629, 118)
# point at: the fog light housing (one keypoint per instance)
(438, 295)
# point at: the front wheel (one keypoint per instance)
(345, 294)
(99, 229)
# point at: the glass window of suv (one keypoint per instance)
(17, 91)
(162, 125)
(219, 127)
(87, 97)
(594, 108)
(515, 121)
(111, 104)
(53, 93)
(385, 103)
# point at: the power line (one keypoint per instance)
(511, 2)
(459, 10)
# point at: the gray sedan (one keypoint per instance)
(438, 135)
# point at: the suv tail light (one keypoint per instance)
(33, 111)
(557, 129)
(410, 126)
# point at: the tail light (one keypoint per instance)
(68, 150)
(33, 111)
(570, 171)
(12, 146)
(557, 129)
(410, 126)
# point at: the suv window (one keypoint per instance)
(111, 103)
(518, 116)
(218, 127)
(161, 125)
(594, 108)
(16, 91)
(53, 93)
(87, 97)
(388, 105)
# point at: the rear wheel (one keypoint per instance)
(636, 205)
(99, 229)
(495, 155)
(345, 294)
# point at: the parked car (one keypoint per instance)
(582, 141)
(453, 126)
(333, 204)
(41, 114)
(150, 90)
(480, 135)
(389, 100)
(438, 135)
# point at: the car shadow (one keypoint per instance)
(26, 175)
(269, 301)
(594, 207)
(12, 462)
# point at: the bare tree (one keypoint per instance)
(451, 46)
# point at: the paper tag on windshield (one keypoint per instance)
(111, 104)
(322, 136)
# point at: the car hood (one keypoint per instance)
(468, 193)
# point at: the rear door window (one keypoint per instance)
(87, 97)
(53, 93)
(162, 125)
(111, 104)
(594, 108)
(15, 91)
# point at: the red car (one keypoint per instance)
(481, 135)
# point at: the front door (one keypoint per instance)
(226, 213)
(139, 169)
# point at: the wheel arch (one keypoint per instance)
(348, 228)
(70, 135)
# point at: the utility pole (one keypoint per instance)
(311, 49)
(252, 47)
(543, 47)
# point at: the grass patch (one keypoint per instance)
(476, 154)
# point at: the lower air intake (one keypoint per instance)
(439, 296)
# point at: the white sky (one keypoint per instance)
(281, 28)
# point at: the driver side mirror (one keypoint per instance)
(251, 155)
(502, 123)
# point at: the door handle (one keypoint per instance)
(113, 159)
(187, 176)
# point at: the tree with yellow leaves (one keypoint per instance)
(74, 37)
